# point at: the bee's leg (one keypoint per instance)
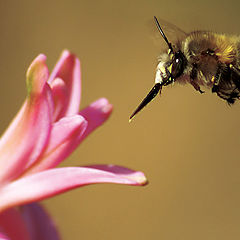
(193, 76)
(216, 79)
(196, 86)
(226, 83)
(236, 70)
(235, 76)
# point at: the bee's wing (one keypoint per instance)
(172, 32)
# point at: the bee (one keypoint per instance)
(200, 58)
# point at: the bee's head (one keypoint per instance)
(170, 67)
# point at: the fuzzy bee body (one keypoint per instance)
(207, 59)
(200, 58)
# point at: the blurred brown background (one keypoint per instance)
(186, 143)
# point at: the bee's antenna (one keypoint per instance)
(162, 33)
(151, 95)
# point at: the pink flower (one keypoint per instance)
(29, 222)
(45, 131)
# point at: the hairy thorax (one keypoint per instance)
(206, 52)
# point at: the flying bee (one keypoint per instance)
(201, 58)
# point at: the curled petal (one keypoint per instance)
(59, 92)
(28, 134)
(61, 142)
(37, 76)
(96, 114)
(68, 69)
(54, 181)
(39, 224)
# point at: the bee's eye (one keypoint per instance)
(178, 64)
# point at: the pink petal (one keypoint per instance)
(68, 69)
(40, 225)
(59, 91)
(3, 237)
(19, 116)
(51, 182)
(61, 142)
(96, 114)
(28, 134)
(13, 225)
(37, 75)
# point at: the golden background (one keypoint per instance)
(186, 143)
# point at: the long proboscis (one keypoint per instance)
(151, 95)
(158, 86)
